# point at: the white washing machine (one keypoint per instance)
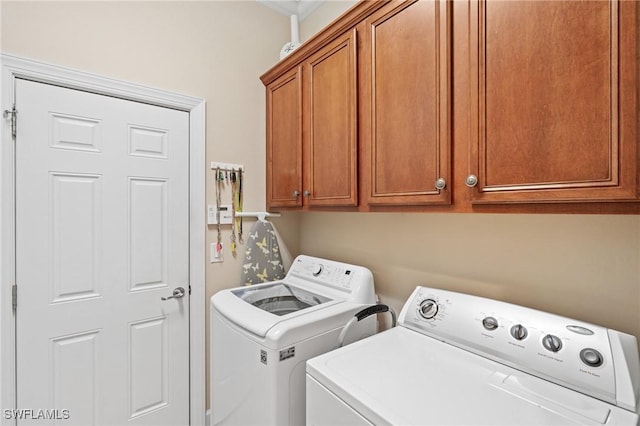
(262, 335)
(457, 359)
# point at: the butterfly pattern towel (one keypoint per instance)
(262, 260)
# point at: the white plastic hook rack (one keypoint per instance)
(231, 167)
(227, 166)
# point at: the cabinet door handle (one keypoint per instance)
(471, 181)
(441, 184)
(306, 194)
(295, 194)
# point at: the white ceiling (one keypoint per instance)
(302, 8)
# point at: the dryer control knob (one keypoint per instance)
(519, 332)
(552, 343)
(428, 308)
(317, 269)
(591, 357)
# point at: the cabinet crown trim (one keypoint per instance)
(340, 25)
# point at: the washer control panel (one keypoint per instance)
(350, 281)
(323, 270)
(568, 352)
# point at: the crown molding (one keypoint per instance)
(301, 8)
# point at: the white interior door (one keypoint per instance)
(102, 233)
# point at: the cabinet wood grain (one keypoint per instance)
(284, 140)
(553, 83)
(331, 167)
(405, 103)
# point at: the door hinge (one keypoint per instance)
(14, 297)
(13, 116)
(189, 290)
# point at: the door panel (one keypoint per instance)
(531, 117)
(101, 235)
(75, 235)
(332, 146)
(284, 141)
(148, 230)
(406, 102)
(73, 382)
(551, 90)
(75, 133)
(148, 381)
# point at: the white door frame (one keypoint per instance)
(14, 67)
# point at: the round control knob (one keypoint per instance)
(519, 332)
(552, 343)
(490, 323)
(428, 308)
(317, 269)
(591, 357)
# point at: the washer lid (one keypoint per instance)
(402, 377)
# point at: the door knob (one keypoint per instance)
(178, 292)
(471, 181)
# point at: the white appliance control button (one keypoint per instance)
(591, 357)
(490, 323)
(552, 343)
(317, 269)
(580, 330)
(428, 308)
(519, 332)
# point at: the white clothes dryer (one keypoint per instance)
(262, 335)
(456, 359)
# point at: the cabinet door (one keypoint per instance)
(405, 97)
(553, 114)
(331, 150)
(284, 140)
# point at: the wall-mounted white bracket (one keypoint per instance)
(226, 166)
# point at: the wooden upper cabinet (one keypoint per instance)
(553, 100)
(331, 144)
(284, 140)
(405, 103)
(546, 108)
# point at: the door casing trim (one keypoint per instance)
(14, 67)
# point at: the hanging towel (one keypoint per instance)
(262, 260)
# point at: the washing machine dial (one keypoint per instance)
(552, 343)
(519, 332)
(428, 308)
(317, 269)
(490, 323)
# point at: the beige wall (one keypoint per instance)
(580, 266)
(215, 50)
(323, 15)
